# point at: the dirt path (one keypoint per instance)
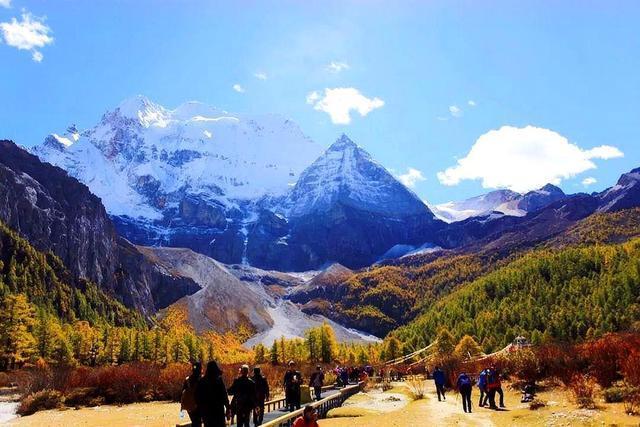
(153, 414)
(427, 411)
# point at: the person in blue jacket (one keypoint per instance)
(439, 379)
(482, 386)
(465, 384)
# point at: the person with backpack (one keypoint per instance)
(262, 395)
(494, 386)
(317, 381)
(188, 398)
(439, 379)
(292, 382)
(243, 390)
(464, 385)
(211, 397)
(482, 386)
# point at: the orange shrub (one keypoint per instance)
(606, 355)
(170, 381)
(631, 368)
(583, 389)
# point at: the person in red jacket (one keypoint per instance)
(309, 418)
(494, 386)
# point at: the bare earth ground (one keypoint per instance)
(153, 414)
(376, 410)
(560, 411)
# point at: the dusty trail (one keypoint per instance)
(427, 411)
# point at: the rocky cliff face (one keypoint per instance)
(55, 212)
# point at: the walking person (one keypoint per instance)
(292, 382)
(244, 394)
(212, 398)
(309, 418)
(317, 381)
(188, 398)
(262, 395)
(344, 377)
(439, 379)
(464, 385)
(494, 386)
(482, 386)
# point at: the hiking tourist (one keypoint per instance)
(188, 398)
(344, 376)
(262, 395)
(244, 394)
(494, 386)
(439, 379)
(482, 386)
(292, 382)
(309, 418)
(211, 397)
(317, 381)
(464, 385)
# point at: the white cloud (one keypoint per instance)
(260, 75)
(238, 88)
(471, 103)
(29, 34)
(589, 181)
(313, 97)
(337, 66)
(442, 119)
(524, 159)
(5, 3)
(455, 111)
(411, 178)
(340, 101)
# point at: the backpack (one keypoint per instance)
(188, 398)
(464, 380)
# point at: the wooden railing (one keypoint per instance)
(322, 406)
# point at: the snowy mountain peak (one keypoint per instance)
(506, 202)
(143, 159)
(550, 189)
(343, 143)
(141, 110)
(345, 173)
(64, 141)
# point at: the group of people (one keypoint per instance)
(488, 382)
(206, 398)
(352, 374)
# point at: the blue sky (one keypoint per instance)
(568, 70)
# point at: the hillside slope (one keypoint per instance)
(48, 284)
(567, 294)
(55, 212)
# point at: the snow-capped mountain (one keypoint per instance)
(499, 202)
(239, 188)
(189, 177)
(625, 194)
(142, 159)
(474, 206)
(346, 174)
(345, 208)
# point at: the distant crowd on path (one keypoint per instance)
(206, 398)
(352, 374)
(488, 382)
